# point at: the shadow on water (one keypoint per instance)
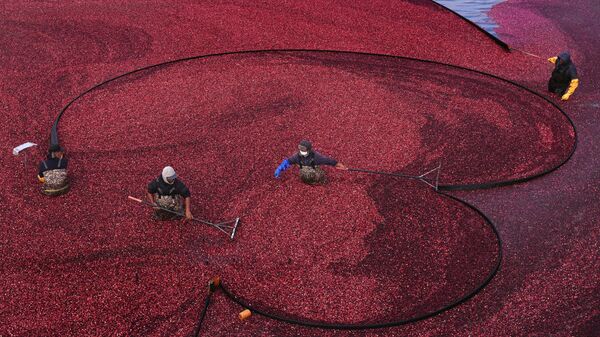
(474, 10)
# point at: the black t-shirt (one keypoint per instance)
(160, 187)
(52, 164)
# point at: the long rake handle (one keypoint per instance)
(144, 202)
(218, 226)
(433, 184)
(386, 173)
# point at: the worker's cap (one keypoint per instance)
(305, 146)
(168, 174)
(564, 57)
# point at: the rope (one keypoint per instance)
(196, 331)
(55, 139)
(361, 326)
(330, 325)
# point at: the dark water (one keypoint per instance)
(474, 10)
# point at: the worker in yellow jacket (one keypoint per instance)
(564, 79)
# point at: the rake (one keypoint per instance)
(222, 226)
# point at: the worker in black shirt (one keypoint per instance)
(309, 162)
(564, 78)
(53, 172)
(166, 191)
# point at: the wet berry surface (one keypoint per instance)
(360, 249)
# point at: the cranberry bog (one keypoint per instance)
(363, 251)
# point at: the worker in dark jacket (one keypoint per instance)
(564, 79)
(309, 162)
(166, 191)
(53, 172)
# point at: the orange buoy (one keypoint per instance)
(245, 314)
(214, 283)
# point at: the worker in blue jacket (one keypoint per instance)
(309, 162)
